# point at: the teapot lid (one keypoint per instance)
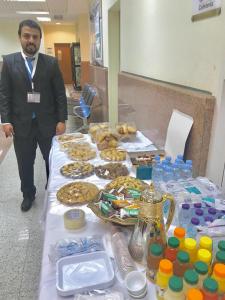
(150, 195)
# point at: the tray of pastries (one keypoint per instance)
(126, 182)
(82, 154)
(106, 138)
(77, 193)
(95, 127)
(77, 170)
(70, 137)
(71, 145)
(126, 130)
(111, 170)
(113, 154)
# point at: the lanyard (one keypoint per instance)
(31, 74)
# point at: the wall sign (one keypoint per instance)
(202, 9)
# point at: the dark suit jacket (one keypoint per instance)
(14, 86)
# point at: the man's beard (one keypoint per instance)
(31, 49)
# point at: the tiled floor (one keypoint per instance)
(21, 233)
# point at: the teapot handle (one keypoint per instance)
(172, 209)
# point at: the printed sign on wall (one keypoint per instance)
(200, 7)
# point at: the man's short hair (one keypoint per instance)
(31, 24)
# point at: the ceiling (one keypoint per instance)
(63, 11)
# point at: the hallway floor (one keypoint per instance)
(21, 233)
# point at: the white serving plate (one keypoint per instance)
(83, 273)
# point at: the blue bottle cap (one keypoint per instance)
(212, 211)
(199, 212)
(189, 162)
(208, 219)
(180, 156)
(195, 221)
(186, 206)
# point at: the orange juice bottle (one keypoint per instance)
(162, 277)
(219, 275)
(194, 294)
(179, 233)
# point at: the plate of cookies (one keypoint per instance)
(77, 170)
(113, 154)
(111, 170)
(77, 193)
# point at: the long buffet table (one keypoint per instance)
(54, 224)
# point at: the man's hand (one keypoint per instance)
(8, 129)
(60, 128)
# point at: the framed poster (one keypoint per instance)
(96, 33)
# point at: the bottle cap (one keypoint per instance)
(166, 266)
(191, 277)
(183, 257)
(190, 243)
(156, 249)
(221, 245)
(189, 162)
(194, 294)
(173, 242)
(201, 267)
(185, 206)
(197, 205)
(204, 255)
(208, 219)
(195, 221)
(199, 212)
(176, 284)
(210, 285)
(179, 232)
(206, 242)
(219, 270)
(180, 156)
(212, 211)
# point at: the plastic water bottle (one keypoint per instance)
(185, 215)
(192, 229)
(157, 159)
(168, 160)
(180, 156)
(176, 171)
(167, 173)
(157, 172)
(186, 171)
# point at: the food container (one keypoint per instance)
(126, 130)
(84, 273)
(94, 127)
(136, 284)
(106, 138)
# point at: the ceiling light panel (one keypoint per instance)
(32, 12)
(44, 19)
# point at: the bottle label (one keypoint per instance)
(160, 291)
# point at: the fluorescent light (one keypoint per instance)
(44, 19)
(24, 0)
(32, 12)
(58, 23)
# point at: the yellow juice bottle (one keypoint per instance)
(190, 246)
(206, 242)
(162, 277)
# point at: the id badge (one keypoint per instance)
(33, 97)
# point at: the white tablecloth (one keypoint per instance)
(54, 226)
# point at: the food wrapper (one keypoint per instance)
(94, 127)
(106, 138)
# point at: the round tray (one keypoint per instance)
(127, 182)
(111, 171)
(77, 193)
(77, 170)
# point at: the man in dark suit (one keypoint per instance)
(32, 104)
